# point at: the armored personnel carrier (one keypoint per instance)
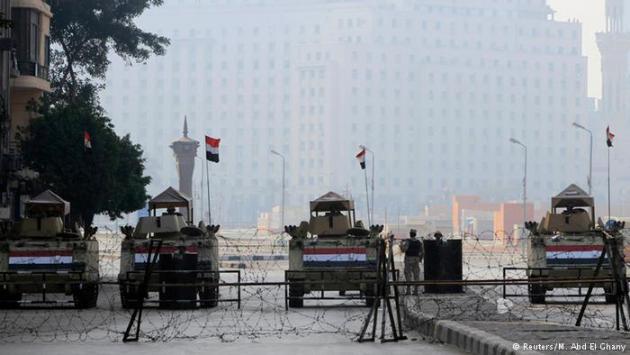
(567, 244)
(332, 252)
(41, 255)
(188, 255)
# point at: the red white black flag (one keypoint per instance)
(361, 158)
(87, 140)
(212, 149)
(609, 137)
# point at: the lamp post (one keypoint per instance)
(283, 185)
(515, 141)
(372, 179)
(590, 157)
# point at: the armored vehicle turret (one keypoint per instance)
(188, 255)
(567, 244)
(42, 255)
(332, 252)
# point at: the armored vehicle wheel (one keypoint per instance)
(85, 297)
(9, 300)
(536, 292)
(296, 294)
(128, 297)
(610, 297)
(370, 295)
(209, 297)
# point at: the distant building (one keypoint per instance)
(24, 63)
(614, 110)
(472, 205)
(508, 220)
(488, 220)
(271, 220)
(435, 88)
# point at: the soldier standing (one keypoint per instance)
(414, 252)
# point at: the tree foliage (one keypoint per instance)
(105, 179)
(109, 178)
(85, 32)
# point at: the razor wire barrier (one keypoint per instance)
(253, 263)
(620, 283)
(320, 294)
(136, 317)
(581, 279)
(386, 269)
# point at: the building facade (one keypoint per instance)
(614, 46)
(24, 63)
(435, 89)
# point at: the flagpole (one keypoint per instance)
(367, 198)
(372, 177)
(208, 185)
(372, 182)
(608, 184)
(201, 211)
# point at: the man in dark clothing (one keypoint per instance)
(414, 252)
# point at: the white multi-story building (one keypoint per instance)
(434, 88)
(614, 46)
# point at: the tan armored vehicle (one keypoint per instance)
(332, 252)
(189, 255)
(567, 245)
(41, 255)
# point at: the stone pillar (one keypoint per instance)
(185, 150)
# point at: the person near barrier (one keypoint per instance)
(414, 252)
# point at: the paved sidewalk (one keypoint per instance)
(473, 324)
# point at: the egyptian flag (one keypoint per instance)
(361, 158)
(609, 137)
(87, 140)
(212, 149)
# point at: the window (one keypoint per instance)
(26, 35)
(47, 51)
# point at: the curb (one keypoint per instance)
(464, 337)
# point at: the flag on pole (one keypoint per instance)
(609, 137)
(87, 140)
(212, 149)
(361, 158)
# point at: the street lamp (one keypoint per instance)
(590, 159)
(283, 186)
(515, 141)
(372, 179)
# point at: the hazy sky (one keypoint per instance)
(592, 15)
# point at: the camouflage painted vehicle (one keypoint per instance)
(332, 252)
(189, 255)
(567, 244)
(41, 255)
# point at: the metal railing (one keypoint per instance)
(203, 281)
(33, 69)
(355, 277)
(73, 278)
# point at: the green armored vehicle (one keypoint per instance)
(332, 252)
(41, 255)
(567, 245)
(189, 255)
